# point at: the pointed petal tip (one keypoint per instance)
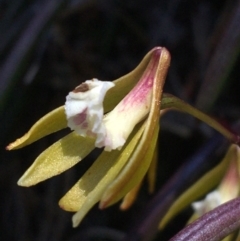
(107, 200)
(102, 205)
(124, 206)
(21, 183)
(67, 204)
(61, 205)
(75, 221)
(48, 124)
(27, 181)
(157, 50)
(77, 218)
(74, 225)
(9, 147)
(13, 145)
(65, 207)
(161, 50)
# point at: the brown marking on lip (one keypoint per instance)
(81, 88)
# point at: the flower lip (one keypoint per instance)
(84, 108)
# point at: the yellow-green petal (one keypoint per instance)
(201, 187)
(88, 190)
(52, 122)
(56, 159)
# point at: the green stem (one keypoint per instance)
(170, 101)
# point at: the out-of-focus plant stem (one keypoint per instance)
(214, 225)
(221, 63)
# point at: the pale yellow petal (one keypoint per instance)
(152, 122)
(202, 186)
(52, 122)
(88, 190)
(59, 157)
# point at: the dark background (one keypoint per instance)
(47, 47)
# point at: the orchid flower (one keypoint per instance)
(228, 188)
(224, 176)
(217, 216)
(122, 117)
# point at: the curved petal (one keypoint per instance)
(51, 122)
(88, 190)
(126, 83)
(56, 159)
(153, 118)
(111, 194)
(202, 186)
(133, 108)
